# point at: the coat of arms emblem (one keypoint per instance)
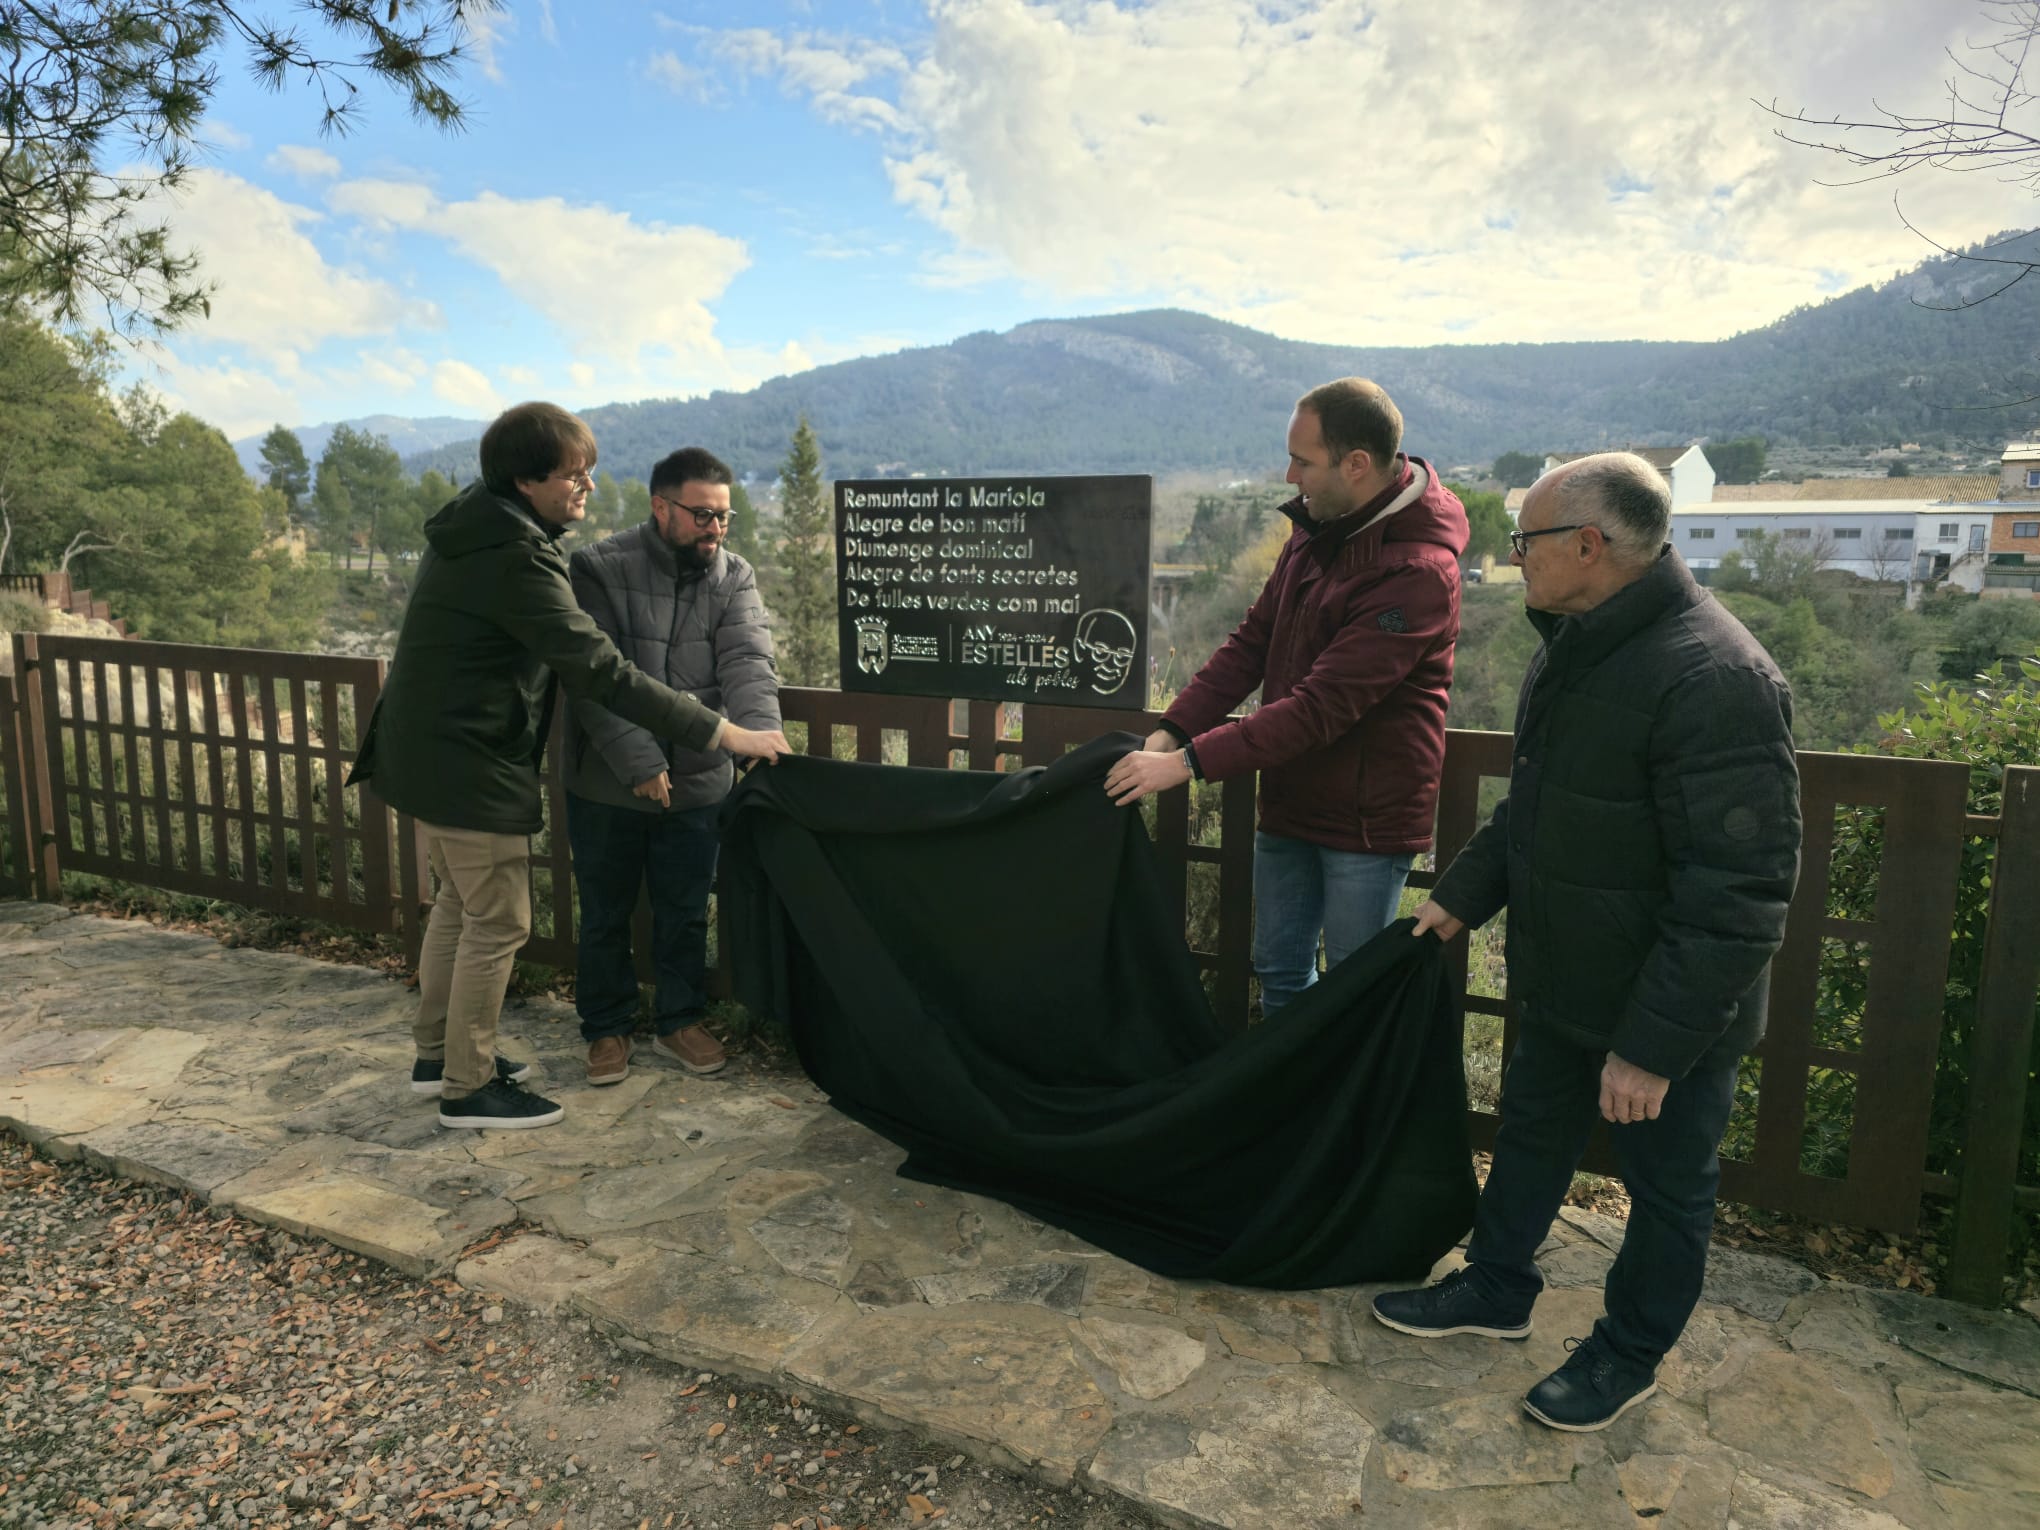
(871, 644)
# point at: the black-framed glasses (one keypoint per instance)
(703, 519)
(1520, 540)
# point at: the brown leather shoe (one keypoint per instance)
(609, 1060)
(693, 1048)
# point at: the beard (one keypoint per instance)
(697, 555)
(1330, 505)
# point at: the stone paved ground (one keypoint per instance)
(738, 1225)
(168, 1366)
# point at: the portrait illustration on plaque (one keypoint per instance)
(1105, 646)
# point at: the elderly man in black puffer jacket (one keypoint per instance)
(641, 810)
(1646, 853)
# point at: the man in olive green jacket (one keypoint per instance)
(458, 734)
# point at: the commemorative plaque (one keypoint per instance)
(996, 589)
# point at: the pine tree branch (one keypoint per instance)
(88, 84)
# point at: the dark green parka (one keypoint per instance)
(462, 724)
(1649, 843)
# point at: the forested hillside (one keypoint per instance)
(149, 509)
(1154, 391)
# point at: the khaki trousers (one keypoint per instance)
(480, 917)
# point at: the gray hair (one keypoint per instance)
(1624, 497)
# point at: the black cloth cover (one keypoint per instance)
(982, 968)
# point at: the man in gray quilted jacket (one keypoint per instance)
(641, 811)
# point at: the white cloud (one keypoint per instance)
(307, 164)
(518, 377)
(385, 204)
(223, 135)
(397, 371)
(239, 400)
(665, 68)
(465, 388)
(633, 295)
(485, 32)
(761, 362)
(1355, 170)
(827, 71)
(276, 291)
(960, 270)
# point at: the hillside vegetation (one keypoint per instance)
(1165, 390)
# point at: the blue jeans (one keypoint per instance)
(618, 851)
(1551, 1098)
(1302, 891)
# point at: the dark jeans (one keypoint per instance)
(617, 851)
(1550, 1101)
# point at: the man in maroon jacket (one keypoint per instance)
(1351, 645)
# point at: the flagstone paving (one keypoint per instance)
(740, 1224)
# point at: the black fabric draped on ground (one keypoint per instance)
(982, 968)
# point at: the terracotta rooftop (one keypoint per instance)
(1953, 486)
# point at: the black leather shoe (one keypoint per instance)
(1590, 1391)
(1451, 1306)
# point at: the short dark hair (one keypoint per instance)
(533, 441)
(690, 464)
(1356, 416)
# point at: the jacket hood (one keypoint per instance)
(1417, 507)
(475, 519)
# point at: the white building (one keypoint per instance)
(2019, 470)
(1686, 469)
(1974, 532)
(1887, 540)
(1962, 545)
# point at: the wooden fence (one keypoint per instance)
(209, 771)
(217, 772)
(57, 591)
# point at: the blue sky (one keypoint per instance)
(658, 201)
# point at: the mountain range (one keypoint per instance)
(408, 436)
(1155, 391)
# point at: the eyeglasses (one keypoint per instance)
(580, 476)
(703, 519)
(1520, 540)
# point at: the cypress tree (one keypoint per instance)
(808, 559)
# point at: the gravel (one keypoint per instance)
(165, 1365)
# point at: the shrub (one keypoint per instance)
(20, 614)
(1989, 724)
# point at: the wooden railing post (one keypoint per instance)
(37, 800)
(14, 806)
(381, 828)
(1235, 901)
(414, 885)
(2000, 1050)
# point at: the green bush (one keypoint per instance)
(20, 614)
(1989, 724)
